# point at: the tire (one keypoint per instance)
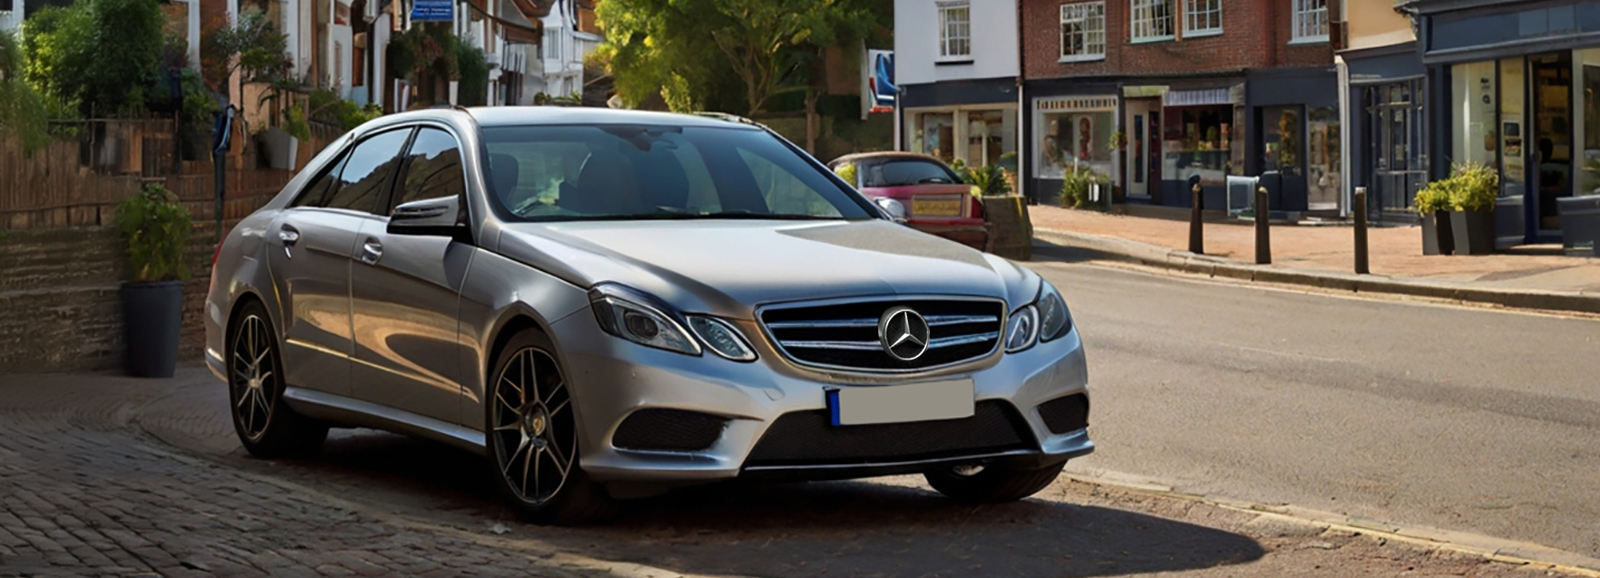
(993, 484)
(266, 425)
(532, 440)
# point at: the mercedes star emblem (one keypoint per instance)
(904, 333)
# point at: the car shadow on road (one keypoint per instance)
(797, 529)
(1047, 251)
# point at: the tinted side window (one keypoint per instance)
(313, 194)
(366, 172)
(433, 168)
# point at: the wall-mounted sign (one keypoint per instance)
(432, 10)
(877, 77)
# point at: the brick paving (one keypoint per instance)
(1393, 251)
(110, 476)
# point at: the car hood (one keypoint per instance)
(728, 267)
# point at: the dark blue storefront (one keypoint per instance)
(1515, 85)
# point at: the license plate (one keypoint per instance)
(928, 401)
(945, 207)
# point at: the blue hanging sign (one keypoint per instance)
(432, 10)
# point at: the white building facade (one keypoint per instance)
(956, 65)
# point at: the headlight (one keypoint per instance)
(1047, 318)
(626, 314)
(1054, 319)
(1022, 329)
(721, 337)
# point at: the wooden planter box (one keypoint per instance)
(1010, 229)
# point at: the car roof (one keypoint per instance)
(526, 115)
(855, 157)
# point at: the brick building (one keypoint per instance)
(1191, 87)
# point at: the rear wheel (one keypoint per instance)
(533, 438)
(992, 484)
(266, 425)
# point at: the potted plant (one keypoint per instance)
(156, 229)
(1433, 206)
(1472, 196)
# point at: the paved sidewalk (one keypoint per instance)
(89, 486)
(1324, 256)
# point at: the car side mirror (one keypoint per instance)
(895, 209)
(439, 217)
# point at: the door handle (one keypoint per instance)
(371, 251)
(289, 236)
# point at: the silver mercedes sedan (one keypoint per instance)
(607, 304)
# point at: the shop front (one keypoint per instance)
(1517, 88)
(1071, 133)
(971, 121)
(1295, 133)
(1386, 127)
(1199, 137)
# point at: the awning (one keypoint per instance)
(1197, 97)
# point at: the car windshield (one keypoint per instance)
(906, 172)
(625, 172)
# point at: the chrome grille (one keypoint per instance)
(845, 335)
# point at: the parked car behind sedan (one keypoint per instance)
(925, 191)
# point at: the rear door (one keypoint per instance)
(406, 293)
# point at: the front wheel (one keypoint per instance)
(992, 484)
(533, 438)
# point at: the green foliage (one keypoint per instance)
(678, 95)
(727, 52)
(198, 103)
(295, 123)
(847, 171)
(474, 72)
(1476, 186)
(328, 107)
(100, 54)
(988, 180)
(262, 51)
(22, 112)
(1432, 198)
(156, 229)
(1075, 187)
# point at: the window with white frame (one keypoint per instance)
(1202, 17)
(955, 30)
(1083, 31)
(1310, 20)
(1152, 20)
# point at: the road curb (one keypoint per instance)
(1186, 262)
(1486, 547)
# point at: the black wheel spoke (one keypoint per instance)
(529, 431)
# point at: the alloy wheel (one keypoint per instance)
(253, 377)
(535, 434)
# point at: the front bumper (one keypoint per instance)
(611, 378)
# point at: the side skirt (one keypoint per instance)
(345, 411)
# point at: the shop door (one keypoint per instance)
(1397, 165)
(1551, 177)
(1142, 148)
(1283, 149)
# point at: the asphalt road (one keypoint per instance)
(1420, 414)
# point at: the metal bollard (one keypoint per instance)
(1263, 232)
(1196, 235)
(1361, 231)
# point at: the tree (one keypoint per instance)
(21, 112)
(254, 47)
(100, 54)
(769, 46)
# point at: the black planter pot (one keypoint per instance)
(1473, 232)
(153, 315)
(1436, 236)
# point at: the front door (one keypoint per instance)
(1284, 150)
(1551, 75)
(1139, 145)
(406, 291)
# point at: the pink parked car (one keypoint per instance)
(922, 189)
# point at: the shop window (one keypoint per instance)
(1152, 20)
(1083, 31)
(955, 30)
(1473, 88)
(1197, 140)
(1074, 132)
(1202, 17)
(1283, 140)
(1322, 158)
(1310, 20)
(990, 135)
(933, 133)
(1589, 172)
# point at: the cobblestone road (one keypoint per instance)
(107, 476)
